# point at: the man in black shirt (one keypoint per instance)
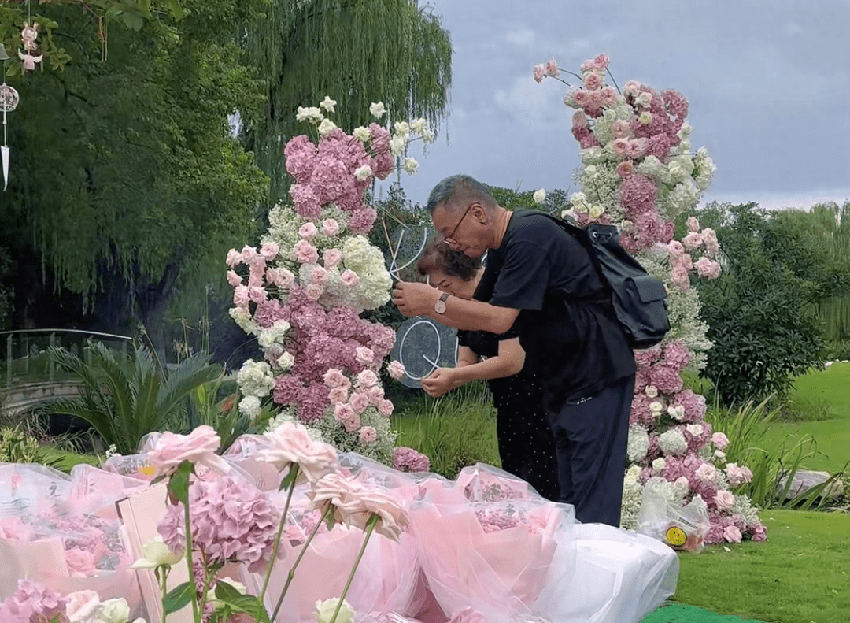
(543, 283)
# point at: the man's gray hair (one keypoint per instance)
(460, 188)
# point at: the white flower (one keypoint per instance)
(255, 379)
(240, 588)
(695, 429)
(644, 99)
(677, 412)
(328, 104)
(82, 607)
(155, 553)
(568, 213)
(656, 408)
(685, 130)
(645, 118)
(596, 211)
(250, 406)
(427, 136)
(286, 360)
(377, 110)
(325, 611)
(114, 611)
(673, 442)
(397, 145)
(362, 134)
(539, 196)
(720, 455)
(311, 114)
(651, 391)
(638, 443)
(242, 317)
(591, 155)
(363, 172)
(401, 128)
(659, 464)
(326, 127)
(411, 166)
(419, 126)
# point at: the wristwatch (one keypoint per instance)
(440, 305)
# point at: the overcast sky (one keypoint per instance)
(768, 85)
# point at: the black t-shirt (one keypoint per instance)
(566, 322)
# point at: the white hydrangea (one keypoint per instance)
(673, 442)
(410, 165)
(659, 464)
(419, 126)
(368, 262)
(326, 127)
(250, 406)
(638, 443)
(592, 155)
(273, 335)
(539, 196)
(632, 497)
(243, 320)
(401, 128)
(681, 168)
(397, 145)
(255, 378)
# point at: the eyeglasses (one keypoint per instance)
(450, 239)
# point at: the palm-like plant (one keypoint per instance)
(125, 397)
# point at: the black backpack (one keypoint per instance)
(639, 300)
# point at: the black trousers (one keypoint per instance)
(590, 443)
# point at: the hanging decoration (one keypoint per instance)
(9, 100)
(30, 55)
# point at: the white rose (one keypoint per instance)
(326, 127)
(427, 136)
(695, 429)
(328, 104)
(363, 172)
(677, 412)
(82, 606)
(596, 211)
(659, 464)
(656, 407)
(401, 128)
(114, 611)
(377, 110)
(325, 611)
(419, 125)
(411, 166)
(720, 455)
(645, 118)
(362, 134)
(568, 213)
(539, 196)
(286, 360)
(651, 391)
(397, 145)
(155, 553)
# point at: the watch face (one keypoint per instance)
(440, 306)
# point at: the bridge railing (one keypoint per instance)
(27, 358)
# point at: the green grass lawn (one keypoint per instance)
(819, 389)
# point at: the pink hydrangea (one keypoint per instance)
(232, 521)
(676, 355)
(307, 204)
(665, 378)
(33, 602)
(361, 221)
(409, 460)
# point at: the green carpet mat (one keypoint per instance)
(677, 613)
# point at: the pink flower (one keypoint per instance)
(676, 354)
(82, 606)
(330, 227)
(233, 278)
(620, 146)
(724, 500)
(314, 291)
(720, 440)
(679, 277)
(257, 294)
(367, 379)
(331, 258)
(468, 615)
(707, 268)
(349, 278)
(307, 204)
(396, 370)
(307, 230)
(319, 276)
(551, 68)
(675, 248)
(636, 147)
(335, 378)
(592, 81)
(347, 417)
(580, 97)
(579, 119)
(291, 444)
(409, 460)
(625, 168)
(198, 447)
(359, 402)
(269, 250)
(692, 241)
(240, 297)
(376, 394)
(665, 378)
(32, 602)
(368, 435)
(234, 258)
(539, 72)
(732, 534)
(608, 96)
(386, 407)
(693, 224)
(280, 277)
(338, 395)
(361, 220)
(709, 238)
(736, 475)
(80, 562)
(306, 252)
(759, 532)
(365, 356)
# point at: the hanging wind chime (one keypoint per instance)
(9, 99)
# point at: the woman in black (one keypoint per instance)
(526, 444)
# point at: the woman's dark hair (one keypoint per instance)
(438, 256)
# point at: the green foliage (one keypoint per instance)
(125, 397)
(355, 52)
(454, 431)
(222, 413)
(16, 446)
(762, 311)
(556, 200)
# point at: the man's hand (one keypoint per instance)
(438, 382)
(415, 299)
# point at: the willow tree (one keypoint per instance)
(356, 52)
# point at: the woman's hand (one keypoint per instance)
(438, 382)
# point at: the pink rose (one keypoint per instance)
(608, 96)
(291, 444)
(632, 87)
(636, 147)
(347, 417)
(307, 230)
(386, 407)
(539, 72)
(396, 370)
(724, 500)
(368, 435)
(707, 472)
(365, 356)
(720, 440)
(692, 241)
(249, 254)
(367, 379)
(240, 297)
(198, 447)
(625, 168)
(593, 81)
(82, 605)
(620, 146)
(306, 252)
(707, 268)
(330, 227)
(679, 277)
(621, 129)
(233, 278)
(732, 534)
(674, 247)
(80, 562)
(280, 277)
(376, 394)
(269, 250)
(349, 278)
(551, 68)
(759, 532)
(314, 291)
(359, 402)
(319, 276)
(580, 97)
(468, 615)
(257, 294)
(709, 238)
(693, 224)
(579, 119)
(234, 258)
(335, 378)
(338, 395)
(331, 258)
